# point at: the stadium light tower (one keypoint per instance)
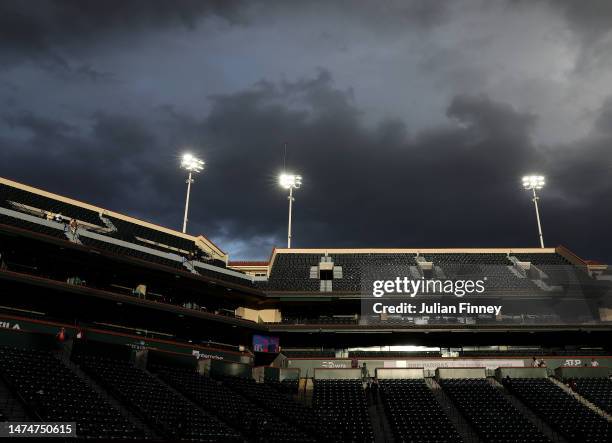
(290, 182)
(193, 165)
(533, 183)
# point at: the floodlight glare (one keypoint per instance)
(193, 165)
(290, 182)
(533, 183)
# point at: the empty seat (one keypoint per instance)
(342, 405)
(494, 417)
(560, 410)
(414, 414)
(55, 393)
(167, 412)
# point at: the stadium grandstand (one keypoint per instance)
(130, 330)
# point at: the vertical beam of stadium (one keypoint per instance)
(290, 210)
(535, 202)
(189, 181)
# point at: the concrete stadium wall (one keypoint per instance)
(224, 368)
(501, 373)
(566, 372)
(442, 373)
(399, 373)
(275, 373)
(308, 365)
(337, 374)
(289, 374)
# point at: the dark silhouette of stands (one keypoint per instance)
(137, 234)
(9, 194)
(493, 417)
(255, 422)
(413, 412)
(597, 390)
(166, 411)
(342, 405)
(54, 393)
(561, 411)
(281, 404)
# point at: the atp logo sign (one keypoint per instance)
(572, 363)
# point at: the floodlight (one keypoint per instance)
(290, 182)
(533, 183)
(193, 165)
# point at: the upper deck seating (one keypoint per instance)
(10, 194)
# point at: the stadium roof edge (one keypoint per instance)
(200, 240)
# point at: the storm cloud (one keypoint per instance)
(411, 122)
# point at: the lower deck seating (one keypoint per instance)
(493, 417)
(166, 411)
(414, 414)
(255, 423)
(342, 405)
(560, 410)
(280, 404)
(287, 386)
(55, 393)
(597, 390)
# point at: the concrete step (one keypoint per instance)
(380, 422)
(193, 402)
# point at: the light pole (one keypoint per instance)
(533, 183)
(193, 165)
(290, 182)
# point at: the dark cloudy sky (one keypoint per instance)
(411, 122)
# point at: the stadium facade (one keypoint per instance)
(132, 330)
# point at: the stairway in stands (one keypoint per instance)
(11, 408)
(468, 434)
(581, 399)
(528, 413)
(380, 421)
(149, 433)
